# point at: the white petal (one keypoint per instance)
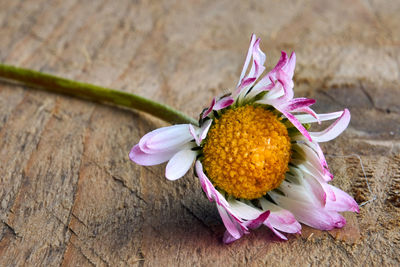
(144, 159)
(280, 219)
(333, 130)
(204, 130)
(165, 139)
(231, 226)
(309, 190)
(179, 164)
(319, 218)
(307, 118)
(248, 57)
(241, 210)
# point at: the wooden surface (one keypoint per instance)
(69, 194)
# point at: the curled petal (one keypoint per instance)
(272, 75)
(278, 67)
(194, 134)
(330, 194)
(165, 139)
(224, 102)
(228, 238)
(231, 225)
(248, 57)
(209, 188)
(257, 222)
(179, 164)
(296, 124)
(275, 91)
(287, 84)
(280, 219)
(204, 130)
(309, 111)
(208, 111)
(333, 130)
(305, 118)
(218, 105)
(258, 60)
(298, 103)
(199, 134)
(290, 66)
(245, 83)
(144, 159)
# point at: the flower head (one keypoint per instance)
(254, 155)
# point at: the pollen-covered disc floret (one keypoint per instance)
(247, 152)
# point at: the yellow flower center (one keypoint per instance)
(247, 152)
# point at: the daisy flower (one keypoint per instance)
(254, 154)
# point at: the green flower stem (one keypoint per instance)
(95, 93)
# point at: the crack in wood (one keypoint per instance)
(206, 226)
(11, 229)
(122, 182)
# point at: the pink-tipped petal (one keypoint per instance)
(307, 167)
(248, 57)
(144, 159)
(179, 164)
(281, 63)
(228, 238)
(258, 61)
(280, 219)
(317, 148)
(315, 217)
(303, 187)
(242, 210)
(205, 185)
(284, 221)
(244, 84)
(344, 202)
(224, 102)
(276, 232)
(165, 139)
(273, 97)
(208, 111)
(287, 84)
(230, 225)
(272, 75)
(257, 222)
(330, 194)
(333, 130)
(296, 124)
(298, 103)
(208, 187)
(290, 66)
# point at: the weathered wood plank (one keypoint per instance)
(69, 194)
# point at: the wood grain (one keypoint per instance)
(69, 194)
